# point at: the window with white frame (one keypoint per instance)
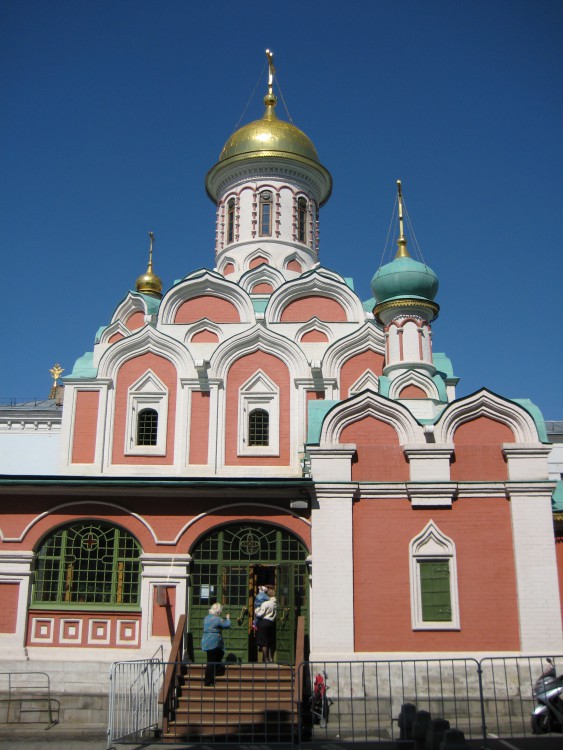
(433, 579)
(147, 417)
(259, 403)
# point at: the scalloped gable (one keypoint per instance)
(206, 284)
(369, 404)
(314, 284)
(489, 404)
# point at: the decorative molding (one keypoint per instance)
(205, 283)
(484, 403)
(373, 405)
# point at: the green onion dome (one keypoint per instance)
(404, 278)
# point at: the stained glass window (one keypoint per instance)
(88, 563)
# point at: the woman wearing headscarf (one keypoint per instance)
(212, 640)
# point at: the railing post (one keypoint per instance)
(482, 702)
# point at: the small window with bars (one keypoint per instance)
(258, 427)
(147, 427)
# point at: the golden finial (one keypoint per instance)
(402, 251)
(56, 372)
(149, 282)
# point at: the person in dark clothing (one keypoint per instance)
(212, 640)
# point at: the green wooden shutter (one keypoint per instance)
(435, 590)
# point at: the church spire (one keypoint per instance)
(402, 251)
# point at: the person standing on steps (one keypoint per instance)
(266, 624)
(261, 597)
(212, 641)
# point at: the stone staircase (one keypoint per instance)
(248, 703)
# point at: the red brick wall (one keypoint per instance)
(135, 321)
(9, 596)
(412, 391)
(163, 616)
(481, 532)
(306, 308)
(85, 427)
(213, 308)
(199, 428)
(354, 367)
(478, 450)
(380, 457)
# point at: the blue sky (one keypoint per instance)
(113, 112)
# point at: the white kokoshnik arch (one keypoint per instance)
(413, 377)
(319, 284)
(369, 404)
(205, 283)
(484, 403)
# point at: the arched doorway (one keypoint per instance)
(228, 566)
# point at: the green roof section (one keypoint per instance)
(84, 367)
(349, 281)
(444, 365)
(369, 304)
(537, 416)
(259, 304)
(152, 303)
(98, 335)
(317, 412)
(557, 497)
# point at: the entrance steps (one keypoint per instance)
(248, 703)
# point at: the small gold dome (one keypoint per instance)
(270, 136)
(149, 283)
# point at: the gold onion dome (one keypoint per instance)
(148, 282)
(269, 136)
(269, 139)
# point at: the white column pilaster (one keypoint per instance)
(15, 568)
(536, 569)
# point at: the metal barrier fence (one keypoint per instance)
(133, 705)
(363, 699)
(355, 701)
(25, 698)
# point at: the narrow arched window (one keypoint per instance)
(258, 427)
(231, 220)
(302, 220)
(147, 427)
(265, 213)
(88, 563)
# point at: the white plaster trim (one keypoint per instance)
(259, 392)
(146, 340)
(204, 325)
(413, 377)
(374, 405)
(206, 283)
(368, 337)
(131, 304)
(314, 324)
(369, 381)
(148, 392)
(263, 274)
(485, 403)
(116, 327)
(252, 340)
(317, 283)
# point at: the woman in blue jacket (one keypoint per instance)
(212, 640)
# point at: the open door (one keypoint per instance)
(285, 620)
